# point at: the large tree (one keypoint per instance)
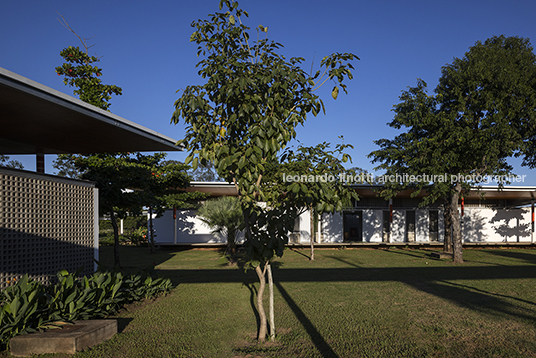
(244, 114)
(479, 116)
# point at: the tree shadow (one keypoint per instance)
(318, 340)
(343, 261)
(408, 253)
(299, 252)
(440, 282)
(508, 223)
(480, 300)
(252, 294)
(522, 256)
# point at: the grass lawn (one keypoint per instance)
(346, 303)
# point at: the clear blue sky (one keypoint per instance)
(144, 48)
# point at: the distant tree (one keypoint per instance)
(162, 186)
(224, 216)
(482, 110)
(66, 167)
(7, 163)
(79, 72)
(205, 173)
(111, 172)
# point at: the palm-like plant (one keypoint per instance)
(224, 216)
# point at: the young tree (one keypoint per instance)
(162, 185)
(479, 117)
(322, 185)
(245, 113)
(224, 216)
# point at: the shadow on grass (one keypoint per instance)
(524, 257)
(299, 252)
(122, 323)
(320, 343)
(343, 261)
(404, 252)
(253, 293)
(432, 280)
(482, 301)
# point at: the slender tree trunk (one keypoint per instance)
(271, 301)
(457, 247)
(151, 231)
(260, 306)
(231, 247)
(117, 262)
(262, 282)
(313, 233)
(447, 218)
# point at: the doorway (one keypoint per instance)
(353, 226)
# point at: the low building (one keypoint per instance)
(489, 216)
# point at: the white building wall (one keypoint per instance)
(332, 227)
(422, 225)
(398, 227)
(441, 225)
(189, 229)
(496, 225)
(478, 225)
(305, 227)
(372, 225)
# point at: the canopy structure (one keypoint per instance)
(36, 119)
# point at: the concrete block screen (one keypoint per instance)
(47, 224)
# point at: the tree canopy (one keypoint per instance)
(481, 114)
(245, 113)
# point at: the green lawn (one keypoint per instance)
(346, 303)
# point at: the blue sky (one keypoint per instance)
(144, 48)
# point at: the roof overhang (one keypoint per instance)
(213, 188)
(516, 195)
(37, 119)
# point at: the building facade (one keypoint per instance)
(487, 216)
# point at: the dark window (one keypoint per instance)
(433, 225)
(410, 225)
(353, 226)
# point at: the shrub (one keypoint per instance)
(28, 305)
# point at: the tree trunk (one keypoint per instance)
(117, 262)
(260, 306)
(447, 242)
(313, 233)
(151, 231)
(271, 301)
(231, 247)
(457, 247)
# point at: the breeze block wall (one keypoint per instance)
(47, 224)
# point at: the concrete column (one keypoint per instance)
(40, 163)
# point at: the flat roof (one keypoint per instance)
(517, 195)
(38, 119)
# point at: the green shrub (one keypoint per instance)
(134, 231)
(22, 309)
(28, 305)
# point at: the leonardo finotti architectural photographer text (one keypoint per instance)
(363, 178)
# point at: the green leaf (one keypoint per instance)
(335, 92)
